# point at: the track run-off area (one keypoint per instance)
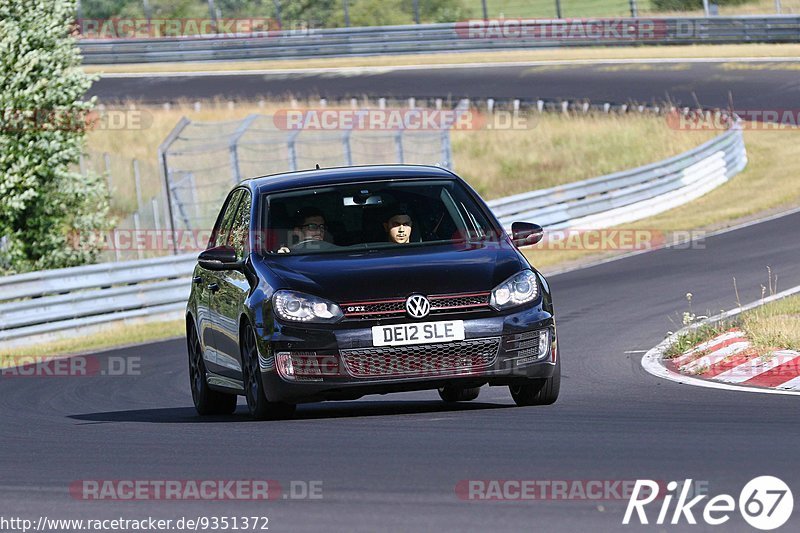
(400, 462)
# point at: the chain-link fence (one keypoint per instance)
(201, 161)
(137, 203)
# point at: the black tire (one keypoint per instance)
(257, 403)
(452, 393)
(206, 401)
(538, 391)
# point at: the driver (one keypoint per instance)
(309, 227)
(398, 225)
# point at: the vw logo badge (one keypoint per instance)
(418, 306)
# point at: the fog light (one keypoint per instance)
(544, 343)
(284, 363)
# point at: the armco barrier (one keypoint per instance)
(633, 194)
(41, 303)
(38, 303)
(449, 37)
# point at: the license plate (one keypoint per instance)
(418, 333)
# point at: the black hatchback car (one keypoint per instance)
(336, 283)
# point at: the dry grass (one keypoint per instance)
(113, 336)
(561, 149)
(775, 325)
(767, 184)
(560, 54)
(556, 148)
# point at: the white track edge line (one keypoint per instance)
(435, 66)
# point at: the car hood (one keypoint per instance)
(398, 272)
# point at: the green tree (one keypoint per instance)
(43, 200)
(312, 12)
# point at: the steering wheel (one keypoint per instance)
(313, 243)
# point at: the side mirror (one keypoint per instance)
(526, 234)
(219, 258)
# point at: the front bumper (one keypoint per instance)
(302, 364)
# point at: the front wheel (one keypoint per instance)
(538, 391)
(257, 403)
(206, 401)
(452, 393)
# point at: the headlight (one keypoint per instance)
(293, 306)
(517, 290)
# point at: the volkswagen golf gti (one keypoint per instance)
(336, 283)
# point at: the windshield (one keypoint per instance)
(370, 215)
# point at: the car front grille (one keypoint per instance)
(442, 303)
(422, 360)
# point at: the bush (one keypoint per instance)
(43, 122)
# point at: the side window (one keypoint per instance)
(223, 228)
(240, 232)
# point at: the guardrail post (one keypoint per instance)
(278, 13)
(235, 171)
(447, 152)
(107, 165)
(348, 152)
(164, 169)
(193, 192)
(634, 8)
(212, 12)
(292, 149)
(181, 212)
(148, 14)
(156, 221)
(137, 227)
(398, 143)
(346, 13)
(485, 11)
(137, 182)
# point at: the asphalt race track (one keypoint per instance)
(393, 462)
(713, 84)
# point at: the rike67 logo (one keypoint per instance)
(765, 503)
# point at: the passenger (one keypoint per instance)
(309, 227)
(398, 225)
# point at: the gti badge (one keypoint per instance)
(418, 306)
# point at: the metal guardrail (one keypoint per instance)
(44, 302)
(38, 303)
(625, 196)
(449, 37)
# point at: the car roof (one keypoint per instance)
(327, 176)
